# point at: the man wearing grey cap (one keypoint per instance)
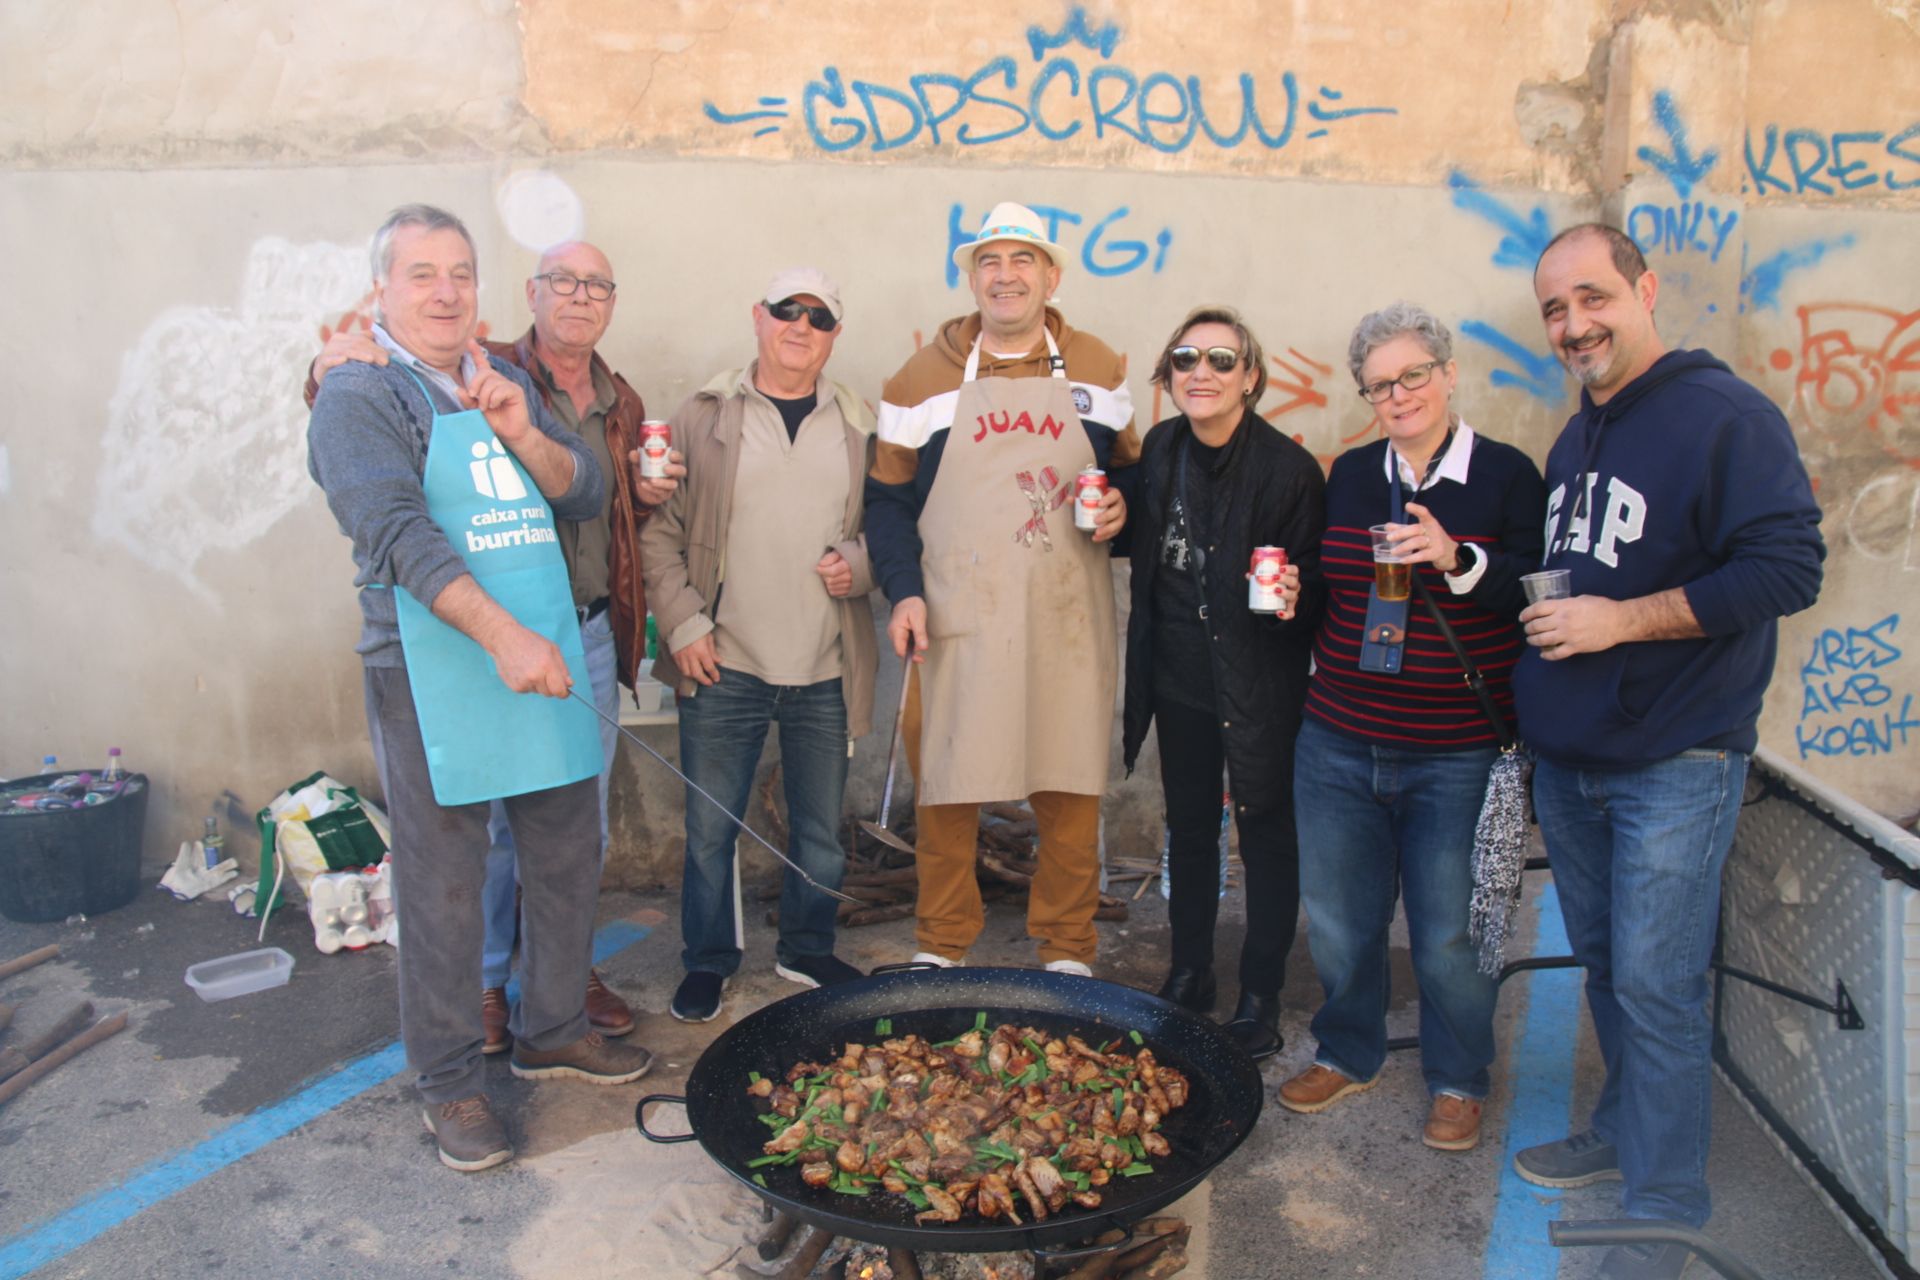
(757, 574)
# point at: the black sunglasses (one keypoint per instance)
(787, 310)
(1187, 359)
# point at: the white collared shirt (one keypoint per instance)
(1453, 466)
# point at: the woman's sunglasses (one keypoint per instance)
(787, 310)
(1187, 359)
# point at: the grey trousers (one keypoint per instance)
(439, 864)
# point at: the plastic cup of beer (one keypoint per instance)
(1548, 584)
(1392, 577)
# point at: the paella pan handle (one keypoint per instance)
(640, 1118)
(903, 967)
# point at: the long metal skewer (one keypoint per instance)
(731, 816)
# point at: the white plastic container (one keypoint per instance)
(240, 974)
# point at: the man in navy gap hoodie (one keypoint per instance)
(1677, 498)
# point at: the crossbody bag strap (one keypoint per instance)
(1475, 680)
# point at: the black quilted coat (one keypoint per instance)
(1274, 494)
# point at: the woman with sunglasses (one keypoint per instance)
(1222, 683)
(1392, 761)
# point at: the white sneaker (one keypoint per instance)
(1073, 967)
(928, 957)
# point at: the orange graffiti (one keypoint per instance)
(1859, 369)
(1302, 389)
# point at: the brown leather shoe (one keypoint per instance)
(1318, 1088)
(592, 1058)
(493, 1021)
(607, 1013)
(1453, 1123)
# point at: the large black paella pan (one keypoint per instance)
(939, 1004)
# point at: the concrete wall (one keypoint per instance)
(187, 191)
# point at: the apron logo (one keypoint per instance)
(493, 473)
(1082, 400)
(1001, 423)
(1043, 495)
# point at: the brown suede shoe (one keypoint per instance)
(1318, 1088)
(1453, 1123)
(607, 1013)
(493, 1021)
(592, 1058)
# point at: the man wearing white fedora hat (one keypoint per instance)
(1008, 607)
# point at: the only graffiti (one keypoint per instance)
(1689, 225)
(1846, 706)
(1054, 100)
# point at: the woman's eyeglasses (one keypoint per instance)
(1412, 380)
(1187, 359)
(565, 285)
(787, 310)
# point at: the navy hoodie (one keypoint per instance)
(1691, 480)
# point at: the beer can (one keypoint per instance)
(1263, 588)
(1089, 487)
(656, 438)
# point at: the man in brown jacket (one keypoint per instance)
(571, 296)
(757, 569)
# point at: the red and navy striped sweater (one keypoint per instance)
(1427, 705)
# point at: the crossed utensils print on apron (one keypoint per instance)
(1043, 496)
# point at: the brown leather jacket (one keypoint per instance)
(627, 596)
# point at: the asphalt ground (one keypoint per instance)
(277, 1134)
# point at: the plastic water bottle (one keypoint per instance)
(114, 772)
(214, 843)
(49, 764)
(1166, 849)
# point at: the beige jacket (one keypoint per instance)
(683, 544)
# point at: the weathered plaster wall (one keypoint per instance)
(189, 188)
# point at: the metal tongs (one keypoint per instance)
(878, 830)
(731, 815)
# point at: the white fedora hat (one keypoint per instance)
(1008, 221)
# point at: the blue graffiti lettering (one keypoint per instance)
(1539, 374)
(1879, 735)
(1760, 287)
(1842, 674)
(1693, 227)
(1161, 110)
(1683, 168)
(1524, 237)
(1099, 255)
(1854, 649)
(1815, 161)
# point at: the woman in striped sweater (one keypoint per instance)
(1392, 759)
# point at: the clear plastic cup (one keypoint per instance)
(1548, 584)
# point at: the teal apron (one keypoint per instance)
(483, 740)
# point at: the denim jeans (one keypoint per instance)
(1379, 823)
(439, 860)
(1636, 857)
(722, 730)
(497, 896)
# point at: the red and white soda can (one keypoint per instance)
(1263, 588)
(656, 439)
(1089, 487)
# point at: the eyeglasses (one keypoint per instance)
(1412, 380)
(787, 310)
(1187, 359)
(565, 285)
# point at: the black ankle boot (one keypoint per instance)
(1190, 989)
(1255, 1025)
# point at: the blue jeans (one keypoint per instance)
(1636, 858)
(1379, 823)
(722, 730)
(497, 895)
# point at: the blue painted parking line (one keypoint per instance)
(170, 1175)
(1542, 1062)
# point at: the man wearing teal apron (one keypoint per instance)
(446, 472)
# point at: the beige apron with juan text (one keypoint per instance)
(1017, 689)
